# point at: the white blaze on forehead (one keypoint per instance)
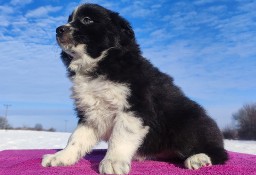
(74, 13)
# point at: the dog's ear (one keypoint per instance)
(124, 25)
(70, 17)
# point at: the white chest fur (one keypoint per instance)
(100, 100)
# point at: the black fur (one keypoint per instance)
(178, 125)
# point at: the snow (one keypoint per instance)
(19, 139)
(248, 147)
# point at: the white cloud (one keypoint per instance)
(4, 22)
(4, 10)
(23, 29)
(212, 66)
(217, 8)
(33, 73)
(20, 2)
(207, 65)
(42, 11)
(104, 3)
(136, 11)
(203, 2)
(248, 6)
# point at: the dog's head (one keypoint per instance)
(91, 31)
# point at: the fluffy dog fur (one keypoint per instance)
(122, 98)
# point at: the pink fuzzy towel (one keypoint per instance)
(28, 162)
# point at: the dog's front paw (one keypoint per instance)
(197, 161)
(109, 166)
(58, 159)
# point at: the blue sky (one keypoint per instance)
(208, 46)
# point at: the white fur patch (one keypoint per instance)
(109, 166)
(197, 161)
(128, 134)
(80, 142)
(81, 61)
(100, 100)
(74, 14)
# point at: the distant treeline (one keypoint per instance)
(243, 129)
(4, 124)
(245, 124)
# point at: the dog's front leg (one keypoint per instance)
(80, 142)
(127, 135)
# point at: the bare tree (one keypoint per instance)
(38, 127)
(4, 123)
(246, 122)
(52, 130)
(229, 132)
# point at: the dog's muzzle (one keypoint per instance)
(63, 35)
(61, 30)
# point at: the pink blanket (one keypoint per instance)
(28, 162)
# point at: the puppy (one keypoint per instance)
(120, 97)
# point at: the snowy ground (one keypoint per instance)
(19, 139)
(57, 140)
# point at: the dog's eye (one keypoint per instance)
(87, 20)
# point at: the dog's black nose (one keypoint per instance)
(62, 29)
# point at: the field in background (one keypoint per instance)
(19, 139)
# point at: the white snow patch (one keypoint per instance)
(19, 139)
(248, 147)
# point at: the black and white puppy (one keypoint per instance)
(122, 98)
